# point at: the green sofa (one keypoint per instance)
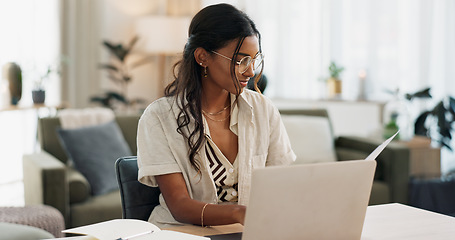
(49, 180)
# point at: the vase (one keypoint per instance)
(38, 96)
(13, 73)
(334, 87)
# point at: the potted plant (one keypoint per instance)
(437, 123)
(39, 91)
(119, 71)
(334, 81)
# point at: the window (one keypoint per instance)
(30, 38)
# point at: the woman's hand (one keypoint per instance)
(239, 214)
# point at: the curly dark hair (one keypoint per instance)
(212, 28)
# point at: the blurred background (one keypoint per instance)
(382, 50)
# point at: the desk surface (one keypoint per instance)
(387, 221)
(397, 221)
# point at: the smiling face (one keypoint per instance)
(219, 68)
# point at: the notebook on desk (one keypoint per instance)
(309, 201)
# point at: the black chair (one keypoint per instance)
(138, 200)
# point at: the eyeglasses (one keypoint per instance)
(246, 61)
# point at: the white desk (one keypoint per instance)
(382, 222)
(397, 221)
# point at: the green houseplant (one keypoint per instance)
(39, 84)
(119, 71)
(334, 81)
(437, 123)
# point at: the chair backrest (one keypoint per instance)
(138, 200)
(315, 112)
(49, 142)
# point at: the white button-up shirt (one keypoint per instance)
(262, 140)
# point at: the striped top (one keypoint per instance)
(224, 174)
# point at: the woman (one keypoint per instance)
(201, 141)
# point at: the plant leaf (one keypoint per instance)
(130, 45)
(439, 112)
(114, 78)
(126, 78)
(452, 106)
(419, 125)
(108, 66)
(103, 100)
(446, 144)
(132, 42)
(425, 93)
(117, 50)
(117, 96)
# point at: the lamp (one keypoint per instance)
(163, 36)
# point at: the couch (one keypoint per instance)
(48, 179)
(392, 172)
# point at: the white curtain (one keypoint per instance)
(405, 44)
(81, 43)
(295, 43)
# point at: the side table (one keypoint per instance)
(425, 160)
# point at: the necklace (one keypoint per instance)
(222, 110)
(216, 120)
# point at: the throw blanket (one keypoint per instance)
(77, 118)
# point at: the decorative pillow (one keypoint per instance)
(311, 138)
(94, 150)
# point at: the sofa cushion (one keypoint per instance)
(97, 209)
(311, 138)
(94, 150)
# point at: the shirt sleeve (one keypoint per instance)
(153, 148)
(280, 151)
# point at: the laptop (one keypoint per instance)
(307, 201)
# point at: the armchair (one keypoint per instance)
(48, 179)
(392, 172)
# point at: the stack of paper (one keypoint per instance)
(125, 229)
